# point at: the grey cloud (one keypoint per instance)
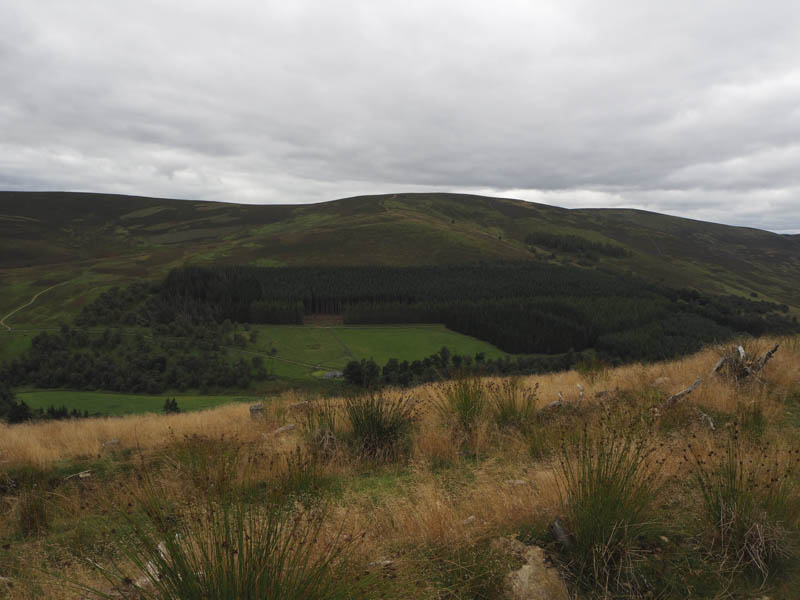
(686, 108)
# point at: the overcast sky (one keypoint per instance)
(685, 107)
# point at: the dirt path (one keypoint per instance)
(31, 301)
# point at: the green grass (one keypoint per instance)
(304, 352)
(409, 342)
(110, 403)
(14, 343)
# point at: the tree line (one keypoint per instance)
(179, 356)
(366, 373)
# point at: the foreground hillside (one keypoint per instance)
(85, 243)
(409, 495)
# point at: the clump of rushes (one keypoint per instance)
(750, 504)
(474, 570)
(229, 551)
(295, 476)
(209, 463)
(607, 487)
(463, 400)
(380, 427)
(512, 404)
(31, 512)
(321, 420)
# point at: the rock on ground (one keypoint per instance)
(535, 579)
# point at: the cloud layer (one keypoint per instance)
(683, 107)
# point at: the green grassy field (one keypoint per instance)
(14, 343)
(302, 352)
(108, 403)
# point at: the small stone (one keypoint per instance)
(535, 579)
(381, 563)
(516, 482)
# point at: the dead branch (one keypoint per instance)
(682, 394)
(762, 362)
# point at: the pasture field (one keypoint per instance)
(113, 404)
(301, 351)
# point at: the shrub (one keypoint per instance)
(463, 399)
(378, 425)
(230, 552)
(607, 490)
(513, 405)
(749, 504)
(170, 406)
(592, 368)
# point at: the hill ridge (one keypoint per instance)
(100, 240)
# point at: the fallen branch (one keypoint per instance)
(762, 362)
(682, 394)
(707, 418)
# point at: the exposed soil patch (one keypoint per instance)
(320, 320)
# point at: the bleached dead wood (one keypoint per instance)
(736, 365)
(762, 362)
(682, 394)
(707, 419)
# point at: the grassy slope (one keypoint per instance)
(434, 512)
(97, 241)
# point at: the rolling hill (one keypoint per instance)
(90, 242)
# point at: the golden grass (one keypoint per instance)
(46, 443)
(440, 495)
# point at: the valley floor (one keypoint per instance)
(413, 489)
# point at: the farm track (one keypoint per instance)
(31, 301)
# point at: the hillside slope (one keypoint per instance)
(98, 240)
